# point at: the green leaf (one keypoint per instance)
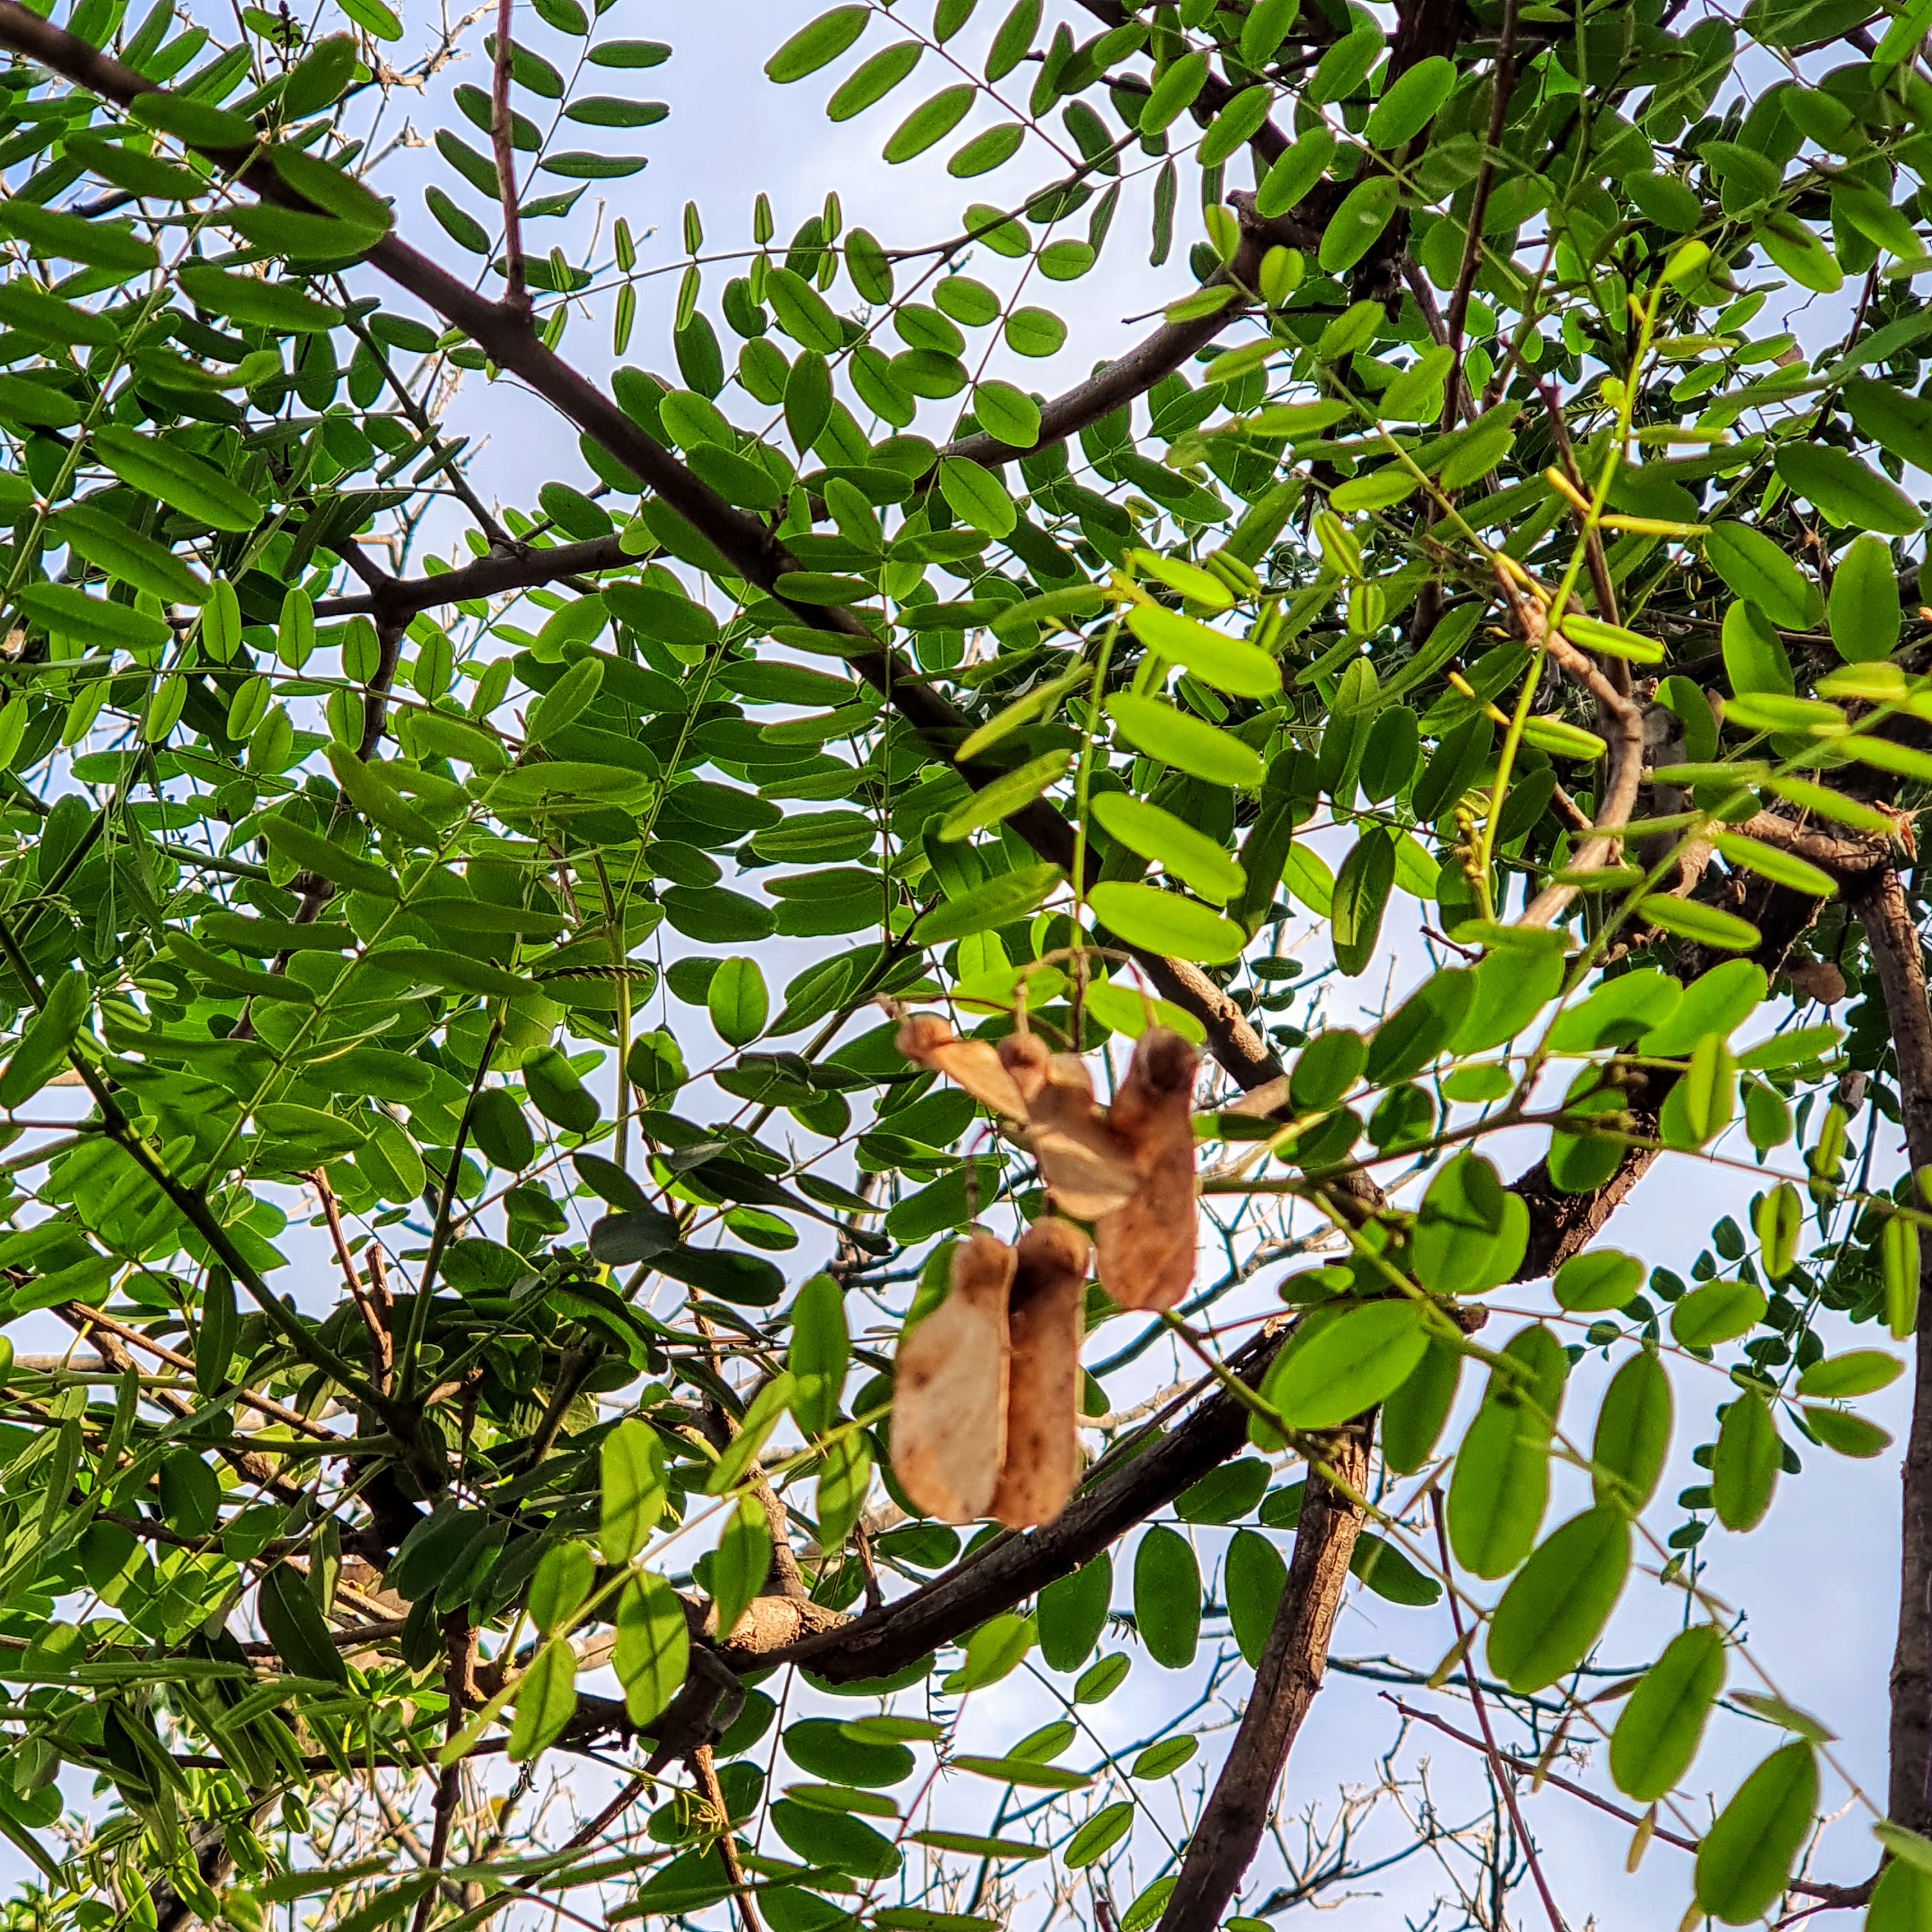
(1470, 1234)
(844, 1480)
(1166, 922)
(819, 1352)
(98, 244)
(1253, 1577)
(564, 1579)
(1771, 861)
(1847, 491)
(1658, 1734)
(182, 481)
(1754, 568)
(1596, 1279)
(737, 1001)
(1902, 1900)
(817, 44)
(374, 17)
(1098, 1836)
(977, 496)
(1414, 1414)
(744, 1554)
(1228, 664)
(1006, 794)
(127, 555)
(995, 1650)
(826, 1748)
(1024, 1773)
(1690, 919)
(1006, 412)
(1173, 93)
(1345, 64)
(333, 190)
(1779, 1220)
(1633, 1436)
(802, 312)
(1899, 421)
(1746, 1858)
(47, 1039)
(1555, 1608)
(566, 701)
(1362, 889)
(1167, 1596)
(1346, 1366)
(1356, 225)
(1197, 861)
(64, 611)
(1899, 1265)
(998, 901)
(1410, 102)
(546, 1698)
(1848, 1434)
(767, 1410)
(1189, 744)
(1385, 1570)
(1037, 332)
(1716, 1312)
(1797, 250)
(633, 1497)
(872, 80)
(1744, 1470)
(1295, 172)
(1421, 1029)
(292, 1622)
(1858, 1372)
(931, 121)
(1510, 992)
(653, 1647)
(1500, 1486)
(1072, 1613)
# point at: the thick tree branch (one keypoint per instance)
(1286, 1679)
(1894, 940)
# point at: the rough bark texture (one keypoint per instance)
(1893, 941)
(1286, 1679)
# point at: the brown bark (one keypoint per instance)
(1286, 1680)
(1894, 940)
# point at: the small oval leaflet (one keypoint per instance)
(1662, 1724)
(1348, 1366)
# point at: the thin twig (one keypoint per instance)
(1504, 1782)
(516, 296)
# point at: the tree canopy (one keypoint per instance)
(570, 1300)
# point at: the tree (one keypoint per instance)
(1360, 612)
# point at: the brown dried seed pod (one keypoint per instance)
(1147, 1248)
(1084, 1163)
(949, 1396)
(974, 1065)
(1045, 1325)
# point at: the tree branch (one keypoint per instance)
(1286, 1679)
(1894, 940)
(516, 296)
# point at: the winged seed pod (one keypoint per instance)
(1084, 1163)
(1147, 1246)
(1045, 1323)
(973, 1065)
(950, 1397)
